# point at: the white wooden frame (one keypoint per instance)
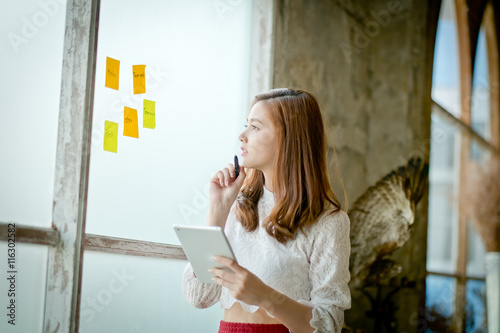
(72, 164)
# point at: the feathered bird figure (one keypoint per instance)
(382, 220)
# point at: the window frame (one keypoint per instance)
(467, 133)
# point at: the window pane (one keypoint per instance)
(480, 102)
(197, 60)
(475, 309)
(439, 301)
(443, 186)
(138, 294)
(446, 74)
(30, 83)
(475, 253)
(474, 197)
(29, 288)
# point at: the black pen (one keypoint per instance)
(236, 166)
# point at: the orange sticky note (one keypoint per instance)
(130, 123)
(139, 72)
(112, 73)
(110, 136)
(148, 118)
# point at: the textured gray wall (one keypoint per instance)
(369, 65)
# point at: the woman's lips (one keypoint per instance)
(243, 151)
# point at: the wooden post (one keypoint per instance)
(72, 163)
(494, 73)
(465, 102)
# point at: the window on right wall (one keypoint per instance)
(464, 108)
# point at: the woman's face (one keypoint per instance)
(258, 140)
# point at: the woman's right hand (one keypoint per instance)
(224, 187)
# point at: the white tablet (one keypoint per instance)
(201, 244)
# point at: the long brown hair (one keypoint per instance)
(300, 180)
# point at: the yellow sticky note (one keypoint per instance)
(110, 136)
(139, 72)
(112, 73)
(130, 123)
(148, 119)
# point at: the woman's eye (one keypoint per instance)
(253, 127)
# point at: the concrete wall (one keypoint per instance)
(369, 65)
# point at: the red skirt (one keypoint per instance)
(227, 327)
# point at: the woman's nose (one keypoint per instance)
(242, 137)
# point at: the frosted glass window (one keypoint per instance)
(31, 57)
(443, 189)
(138, 294)
(29, 288)
(197, 60)
(446, 71)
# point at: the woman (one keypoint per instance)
(284, 223)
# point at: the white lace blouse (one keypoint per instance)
(312, 269)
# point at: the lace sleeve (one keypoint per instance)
(329, 273)
(198, 294)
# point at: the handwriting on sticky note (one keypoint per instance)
(139, 74)
(112, 73)
(110, 136)
(148, 119)
(130, 123)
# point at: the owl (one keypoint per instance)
(382, 221)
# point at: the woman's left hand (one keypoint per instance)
(242, 284)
